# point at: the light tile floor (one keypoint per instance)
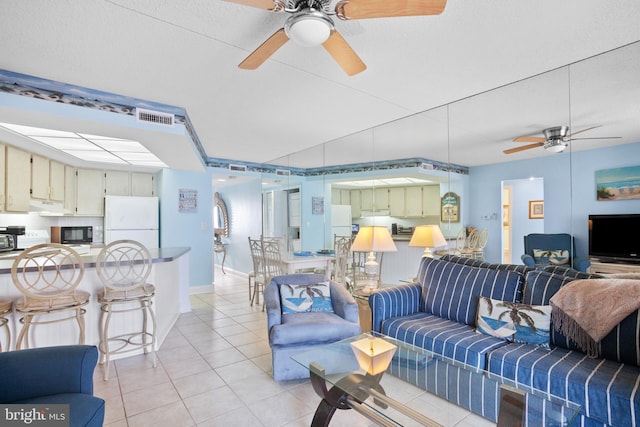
(214, 369)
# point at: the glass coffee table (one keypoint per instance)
(356, 382)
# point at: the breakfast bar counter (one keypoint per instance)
(169, 274)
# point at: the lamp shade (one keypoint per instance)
(373, 239)
(373, 354)
(427, 236)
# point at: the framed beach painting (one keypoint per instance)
(618, 183)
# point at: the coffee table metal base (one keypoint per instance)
(349, 393)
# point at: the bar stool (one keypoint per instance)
(6, 307)
(123, 267)
(48, 275)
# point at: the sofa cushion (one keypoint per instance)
(540, 286)
(523, 269)
(451, 290)
(514, 322)
(608, 391)
(299, 328)
(84, 409)
(451, 339)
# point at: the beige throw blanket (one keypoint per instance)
(587, 310)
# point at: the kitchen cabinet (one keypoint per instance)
(431, 200)
(47, 179)
(374, 200)
(366, 199)
(354, 196)
(56, 181)
(69, 189)
(413, 201)
(89, 192)
(116, 183)
(39, 177)
(142, 184)
(3, 165)
(340, 196)
(18, 180)
(397, 203)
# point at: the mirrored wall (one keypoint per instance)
(460, 149)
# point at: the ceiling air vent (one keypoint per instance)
(155, 117)
(283, 172)
(426, 166)
(238, 168)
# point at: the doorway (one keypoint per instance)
(516, 219)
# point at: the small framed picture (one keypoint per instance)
(536, 209)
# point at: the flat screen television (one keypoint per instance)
(615, 238)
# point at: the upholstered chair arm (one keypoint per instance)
(344, 305)
(31, 373)
(581, 264)
(399, 300)
(528, 260)
(272, 305)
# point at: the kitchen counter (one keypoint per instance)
(169, 274)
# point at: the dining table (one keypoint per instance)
(297, 261)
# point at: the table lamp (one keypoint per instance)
(427, 236)
(373, 354)
(373, 239)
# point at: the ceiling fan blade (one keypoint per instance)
(583, 130)
(524, 147)
(260, 4)
(530, 139)
(344, 55)
(363, 9)
(598, 137)
(264, 51)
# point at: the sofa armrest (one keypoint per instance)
(397, 301)
(272, 305)
(46, 371)
(528, 260)
(344, 305)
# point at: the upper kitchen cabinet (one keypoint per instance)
(397, 201)
(47, 179)
(18, 180)
(413, 201)
(340, 196)
(118, 183)
(374, 200)
(69, 188)
(142, 184)
(89, 192)
(354, 196)
(431, 200)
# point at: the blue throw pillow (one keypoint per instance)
(514, 322)
(300, 298)
(293, 299)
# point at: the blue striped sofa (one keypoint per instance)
(438, 313)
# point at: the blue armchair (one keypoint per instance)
(294, 332)
(53, 375)
(551, 242)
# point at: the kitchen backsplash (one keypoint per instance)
(33, 221)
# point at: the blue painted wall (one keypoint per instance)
(193, 229)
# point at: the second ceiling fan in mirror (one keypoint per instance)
(310, 24)
(555, 139)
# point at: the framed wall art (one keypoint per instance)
(450, 207)
(536, 209)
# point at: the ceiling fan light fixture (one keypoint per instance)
(555, 145)
(309, 28)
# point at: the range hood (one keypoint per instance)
(47, 207)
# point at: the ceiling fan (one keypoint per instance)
(310, 24)
(555, 139)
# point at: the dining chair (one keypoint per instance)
(6, 307)
(123, 267)
(342, 250)
(358, 277)
(478, 250)
(255, 249)
(48, 276)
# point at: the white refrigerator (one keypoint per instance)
(133, 218)
(340, 220)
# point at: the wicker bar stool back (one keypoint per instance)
(123, 267)
(48, 275)
(6, 307)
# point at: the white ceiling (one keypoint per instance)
(186, 54)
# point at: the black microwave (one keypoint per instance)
(72, 235)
